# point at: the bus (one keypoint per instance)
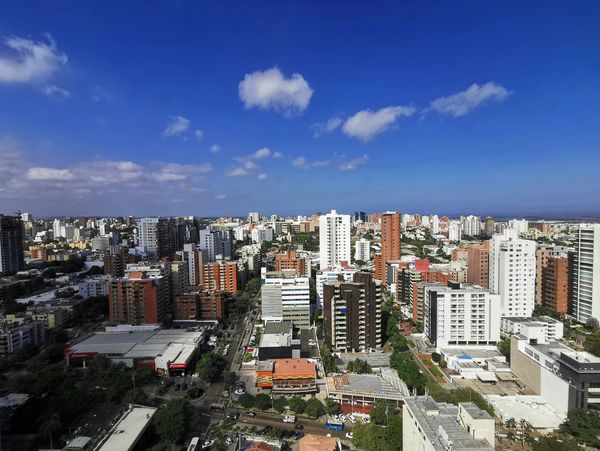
(334, 425)
(193, 444)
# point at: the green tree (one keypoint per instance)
(210, 366)
(50, 428)
(262, 401)
(359, 366)
(279, 404)
(246, 400)
(328, 360)
(592, 343)
(231, 378)
(504, 348)
(172, 422)
(297, 404)
(380, 411)
(314, 408)
(584, 426)
(393, 432)
(555, 443)
(332, 407)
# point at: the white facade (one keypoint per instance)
(435, 225)
(331, 275)
(512, 269)
(214, 244)
(262, 234)
(454, 231)
(586, 273)
(334, 239)
(285, 297)
(148, 234)
(519, 225)
(551, 329)
(362, 250)
(93, 287)
(471, 225)
(57, 228)
(461, 315)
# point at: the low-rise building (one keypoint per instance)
(15, 336)
(551, 329)
(287, 375)
(431, 426)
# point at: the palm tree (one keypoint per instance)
(511, 423)
(525, 429)
(50, 427)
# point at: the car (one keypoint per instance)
(366, 420)
(194, 384)
(298, 426)
(207, 444)
(229, 440)
(351, 418)
(342, 417)
(298, 435)
(233, 415)
(250, 414)
(335, 417)
(349, 435)
(240, 391)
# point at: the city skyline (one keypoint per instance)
(194, 109)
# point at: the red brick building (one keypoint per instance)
(200, 305)
(220, 277)
(555, 284)
(390, 244)
(290, 260)
(138, 299)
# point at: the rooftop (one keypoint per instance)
(277, 327)
(294, 366)
(313, 442)
(531, 408)
(128, 430)
(386, 385)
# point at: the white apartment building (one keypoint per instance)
(471, 225)
(435, 224)
(512, 269)
(585, 299)
(461, 315)
(331, 275)
(194, 257)
(285, 297)
(148, 234)
(254, 217)
(454, 231)
(214, 244)
(551, 329)
(519, 225)
(431, 426)
(57, 225)
(362, 250)
(93, 286)
(334, 239)
(262, 234)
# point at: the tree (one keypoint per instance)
(359, 366)
(50, 428)
(231, 378)
(172, 422)
(246, 400)
(592, 323)
(504, 348)
(297, 404)
(380, 411)
(584, 426)
(314, 408)
(393, 431)
(328, 360)
(511, 423)
(262, 401)
(332, 407)
(556, 443)
(436, 357)
(279, 404)
(210, 366)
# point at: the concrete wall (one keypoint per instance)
(524, 368)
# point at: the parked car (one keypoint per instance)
(289, 419)
(240, 391)
(299, 426)
(298, 435)
(351, 418)
(335, 417)
(366, 420)
(342, 417)
(233, 415)
(250, 414)
(207, 444)
(229, 440)
(349, 435)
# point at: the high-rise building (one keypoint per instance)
(141, 297)
(352, 313)
(359, 216)
(390, 243)
(334, 239)
(454, 231)
(11, 245)
(285, 296)
(57, 226)
(519, 225)
(461, 315)
(555, 285)
(331, 275)
(195, 258)
(585, 274)
(290, 260)
(220, 276)
(254, 217)
(471, 225)
(200, 305)
(158, 236)
(512, 273)
(116, 260)
(544, 252)
(362, 250)
(214, 244)
(489, 227)
(478, 264)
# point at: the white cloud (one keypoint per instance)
(366, 124)
(250, 165)
(215, 148)
(463, 102)
(236, 172)
(302, 162)
(265, 152)
(49, 174)
(262, 176)
(30, 61)
(277, 155)
(179, 172)
(177, 126)
(270, 90)
(320, 128)
(353, 164)
(51, 90)
(199, 134)
(220, 196)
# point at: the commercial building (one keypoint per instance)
(287, 375)
(128, 430)
(358, 392)
(564, 378)
(585, 274)
(285, 296)
(200, 305)
(461, 315)
(551, 329)
(11, 245)
(93, 286)
(141, 297)
(334, 239)
(431, 426)
(289, 260)
(277, 342)
(512, 273)
(390, 243)
(352, 313)
(167, 351)
(220, 276)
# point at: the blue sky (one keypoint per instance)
(219, 108)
